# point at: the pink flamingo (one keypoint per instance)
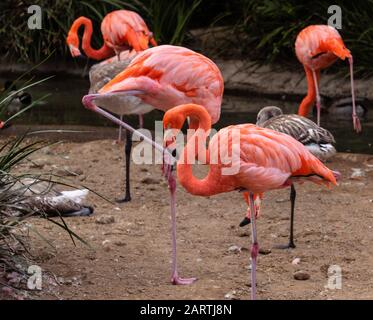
(162, 77)
(263, 160)
(317, 47)
(121, 30)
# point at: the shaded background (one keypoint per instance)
(262, 32)
(269, 27)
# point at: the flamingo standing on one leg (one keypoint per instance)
(162, 77)
(317, 140)
(261, 160)
(121, 30)
(317, 47)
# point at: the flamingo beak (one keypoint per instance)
(245, 222)
(88, 101)
(75, 52)
(169, 136)
(339, 49)
(152, 40)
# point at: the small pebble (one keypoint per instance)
(301, 275)
(105, 220)
(68, 282)
(264, 251)
(7, 290)
(149, 180)
(47, 151)
(295, 262)
(244, 234)
(107, 245)
(119, 243)
(234, 249)
(230, 295)
(357, 174)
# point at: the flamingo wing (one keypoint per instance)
(170, 76)
(267, 159)
(300, 128)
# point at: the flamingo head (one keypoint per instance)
(172, 124)
(173, 120)
(142, 40)
(72, 41)
(75, 52)
(267, 113)
(338, 48)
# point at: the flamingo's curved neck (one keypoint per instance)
(208, 185)
(309, 100)
(100, 54)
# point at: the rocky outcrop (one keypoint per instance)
(246, 76)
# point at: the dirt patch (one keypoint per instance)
(130, 256)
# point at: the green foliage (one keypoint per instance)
(170, 18)
(13, 197)
(167, 19)
(270, 26)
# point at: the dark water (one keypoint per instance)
(64, 107)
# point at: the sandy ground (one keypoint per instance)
(130, 258)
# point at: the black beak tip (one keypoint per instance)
(81, 57)
(245, 222)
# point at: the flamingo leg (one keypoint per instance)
(89, 104)
(291, 244)
(355, 118)
(318, 98)
(141, 121)
(120, 130)
(175, 279)
(254, 247)
(117, 52)
(127, 151)
(293, 195)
